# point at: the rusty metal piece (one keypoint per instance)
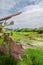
(14, 49)
(7, 17)
(0, 30)
(6, 37)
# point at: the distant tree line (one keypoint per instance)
(39, 30)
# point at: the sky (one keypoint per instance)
(32, 12)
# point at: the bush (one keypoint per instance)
(26, 30)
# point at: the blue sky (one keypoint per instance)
(32, 12)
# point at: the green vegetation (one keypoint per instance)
(29, 29)
(7, 60)
(33, 56)
(26, 36)
(26, 30)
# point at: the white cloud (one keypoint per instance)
(32, 16)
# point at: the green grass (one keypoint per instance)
(31, 57)
(20, 35)
(23, 36)
(26, 36)
(7, 60)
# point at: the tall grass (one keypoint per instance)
(7, 60)
(31, 57)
